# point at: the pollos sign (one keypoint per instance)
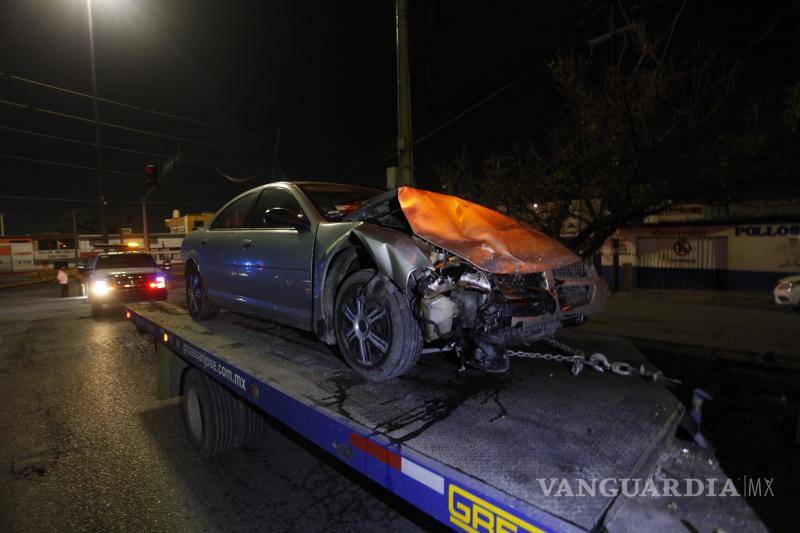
(778, 230)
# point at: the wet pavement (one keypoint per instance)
(733, 322)
(85, 445)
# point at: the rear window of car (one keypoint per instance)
(125, 260)
(334, 201)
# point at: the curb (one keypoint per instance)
(25, 283)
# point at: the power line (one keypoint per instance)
(67, 165)
(444, 124)
(387, 153)
(83, 200)
(83, 167)
(126, 105)
(126, 128)
(118, 148)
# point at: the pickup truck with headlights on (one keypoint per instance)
(115, 277)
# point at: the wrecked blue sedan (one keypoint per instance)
(381, 274)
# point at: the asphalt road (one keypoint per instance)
(726, 322)
(84, 444)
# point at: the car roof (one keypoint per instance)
(120, 252)
(300, 183)
(105, 255)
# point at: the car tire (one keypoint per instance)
(376, 332)
(216, 420)
(197, 301)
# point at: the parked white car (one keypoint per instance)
(788, 291)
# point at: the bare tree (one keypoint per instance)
(635, 134)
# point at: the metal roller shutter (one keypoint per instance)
(682, 263)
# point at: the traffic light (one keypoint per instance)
(151, 175)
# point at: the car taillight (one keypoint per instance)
(158, 283)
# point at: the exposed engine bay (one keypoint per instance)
(466, 308)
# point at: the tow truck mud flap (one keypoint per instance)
(466, 448)
(170, 369)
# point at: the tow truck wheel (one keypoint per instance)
(200, 307)
(375, 329)
(215, 419)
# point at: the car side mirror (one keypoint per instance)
(278, 217)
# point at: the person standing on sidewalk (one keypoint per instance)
(63, 281)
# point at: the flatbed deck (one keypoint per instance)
(468, 448)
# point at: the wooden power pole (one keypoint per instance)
(405, 174)
(75, 237)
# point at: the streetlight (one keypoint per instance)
(98, 147)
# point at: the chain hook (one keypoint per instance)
(599, 362)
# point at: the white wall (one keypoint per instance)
(751, 247)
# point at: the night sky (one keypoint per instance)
(323, 73)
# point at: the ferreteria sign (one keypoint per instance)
(776, 230)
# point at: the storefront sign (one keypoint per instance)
(778, 230)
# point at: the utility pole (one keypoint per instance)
(145, 231)
(275, 155)
(98, 145)
(404, 140)
(153, 174)
(75, 236)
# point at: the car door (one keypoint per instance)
(220, 248)
(275, 259)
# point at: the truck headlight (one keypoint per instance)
(100, 287)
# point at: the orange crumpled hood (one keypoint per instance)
(488, 239)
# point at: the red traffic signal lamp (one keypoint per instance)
(152, 174)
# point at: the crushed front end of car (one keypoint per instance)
(484, 313)
(490, 282)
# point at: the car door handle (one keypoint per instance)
(246, 243)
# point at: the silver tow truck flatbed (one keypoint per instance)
(476, 451)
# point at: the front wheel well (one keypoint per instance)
(351, 258)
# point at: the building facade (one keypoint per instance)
(43, 252)
(702, 255)
(184, 224)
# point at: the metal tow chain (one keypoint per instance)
(597, 361)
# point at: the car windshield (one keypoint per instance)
(334, 201)
(125, 261)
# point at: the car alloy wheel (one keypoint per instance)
(197, 301)
(194, 292)
(368, 329)
(377, 334)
